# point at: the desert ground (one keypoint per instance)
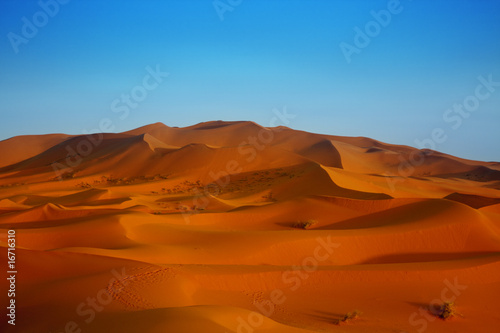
(235, 227)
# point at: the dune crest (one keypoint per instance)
(234, 227)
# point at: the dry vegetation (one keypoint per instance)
(447, 311)
(347, 317)
(304, 224)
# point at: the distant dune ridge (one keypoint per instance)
(235, 227)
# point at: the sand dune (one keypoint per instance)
(234, 227)
(32, 145)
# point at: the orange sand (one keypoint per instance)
(233, 227)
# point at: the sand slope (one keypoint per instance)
(234, 227)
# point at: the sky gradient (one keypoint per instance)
(240, 59)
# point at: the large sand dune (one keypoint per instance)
(233, 227)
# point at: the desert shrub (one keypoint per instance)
(348, 317)
(269, 196)
(446, 311)
(304, 224)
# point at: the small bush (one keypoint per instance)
(269, 196)
(348, 317)
(304, 224)
(446, 311)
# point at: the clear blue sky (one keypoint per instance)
(264, 54)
